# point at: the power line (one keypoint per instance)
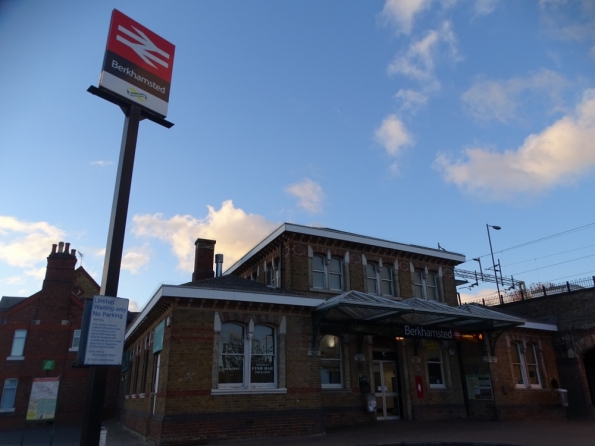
(550, 255)
(555, 264)
(566, 277)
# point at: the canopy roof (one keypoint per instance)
(355, 305)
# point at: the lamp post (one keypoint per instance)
(497, 228)
(478, 260)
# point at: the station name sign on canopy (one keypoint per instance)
(138, 64)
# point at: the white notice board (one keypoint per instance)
(42, 401)
(107, 327)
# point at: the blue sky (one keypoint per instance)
(416, 121)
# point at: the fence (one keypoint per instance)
(534, 291)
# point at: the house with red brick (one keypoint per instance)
(316, 328)
(39, 338)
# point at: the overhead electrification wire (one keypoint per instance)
(574, 275)
(569, 231)
(549, 266)
(550, 255)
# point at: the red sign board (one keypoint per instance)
(138, 64)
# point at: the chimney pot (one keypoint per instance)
(67, 248)
(54, 246)
(60, 247)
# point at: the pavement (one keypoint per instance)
(385, 433)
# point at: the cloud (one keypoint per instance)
(401, 13)
(25, 244)
(560, 154)
(484, 7)
(135, 258)
(309, 194)
(568, 20)
(418, 62)
(411, 100)
(101, 163)
(393, 135)
(500, 99)
(234, 230)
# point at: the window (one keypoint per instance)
(371, 278)
(425, 285)
(76, 340)
(330, 362)
(525, 368)
(379, 279)
(327, 273)
(8, 395)
(18, 344)
(246, 360)
(272, 274)
(434, 362)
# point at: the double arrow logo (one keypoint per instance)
(143, 46)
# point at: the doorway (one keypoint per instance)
(590, 372)
(386, 389)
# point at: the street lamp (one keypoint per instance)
(478, 260)
(497, 228)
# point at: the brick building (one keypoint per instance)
(43, 330)
(296, 333)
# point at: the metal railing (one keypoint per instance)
(534, 291)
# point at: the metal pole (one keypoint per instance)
(494, 264)
(91, 429)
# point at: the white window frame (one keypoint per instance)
(372, 277)
(5, 404)
(336, 341)
(390, 280)
(421, 284)
(246, 384)
(521, 350)
(76, 339)
(326, 272)
(272, 274)
(440, 362)
(17, 352)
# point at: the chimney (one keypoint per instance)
(218, 265)
(203, 259)
(60, 264)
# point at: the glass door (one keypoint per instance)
(386, 390)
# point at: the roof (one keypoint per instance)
(206, 290)
(230, 282)
(9, 301)
(348, 237)
(355, 305)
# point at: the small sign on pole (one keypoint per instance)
(107, 327)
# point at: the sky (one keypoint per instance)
(414, 121)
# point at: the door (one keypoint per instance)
(386, 390)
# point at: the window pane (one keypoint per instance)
(330, 360)
(335, 274)
(418, 284)
(532, 368)
(432, 286)
(8, 394)
(18, 343)
(433, 351)
(231, 354)
(371, 279)
(517, 366)
(335, 266)
(76, 339)
(330, 347)
(318, 272)
(435, 373)
(262, 369)
(330, 372)
(386, 280)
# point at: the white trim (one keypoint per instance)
(246, 391)
(15, 358)
(343, 236)
(9, 409)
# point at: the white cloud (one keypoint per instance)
(484, 7)
(393, 135)
(559, 155)
(401, 13)
(468, 297)
(102, 163)
(419, 60)
(569, 20)
(25, 244)
(234, 230)
(411, 100)
(501, 99)
(135, 258)
(309, 194)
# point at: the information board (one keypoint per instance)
(479, 387)
(42, 402)
(107, 327)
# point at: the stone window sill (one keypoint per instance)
(15, 358)
(252, 391)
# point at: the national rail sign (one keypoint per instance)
(138, 64)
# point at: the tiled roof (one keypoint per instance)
(8, 301)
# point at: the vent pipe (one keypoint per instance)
(218, 265)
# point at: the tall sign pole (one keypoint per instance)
(136, 76)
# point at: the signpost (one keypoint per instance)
(136, 76)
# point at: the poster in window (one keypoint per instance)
(479, 387)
